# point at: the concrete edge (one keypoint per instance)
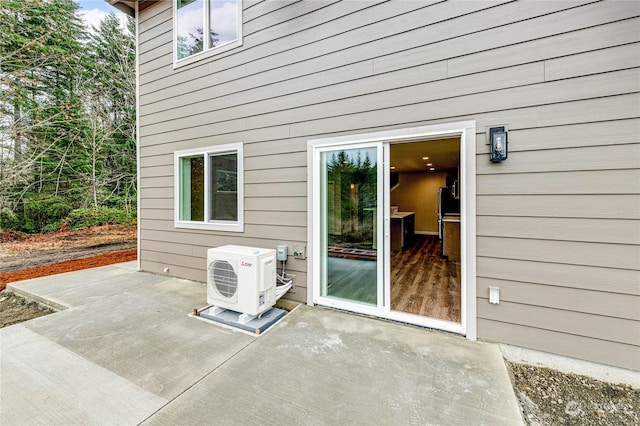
(508, 378)
(602, 372)
(31, 296)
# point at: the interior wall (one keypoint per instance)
(417, 192)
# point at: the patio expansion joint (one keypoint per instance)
(169, 401)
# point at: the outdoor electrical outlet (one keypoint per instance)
(299, 252)
(494, 295)
(282, 252)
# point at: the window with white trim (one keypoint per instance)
(208, 188)
(206, 25)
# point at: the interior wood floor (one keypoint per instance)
(425, 283)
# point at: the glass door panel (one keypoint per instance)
(349, 248)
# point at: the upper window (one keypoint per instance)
(209, 188)
(206, 25)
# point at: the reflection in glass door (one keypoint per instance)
(349, 249)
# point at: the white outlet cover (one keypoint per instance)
(494, 295)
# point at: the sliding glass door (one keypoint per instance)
(350, 225)
(351, 233)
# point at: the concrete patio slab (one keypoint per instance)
(321, 366)
(80, 287)
(144, 335)
(45, 383)
(125, 352)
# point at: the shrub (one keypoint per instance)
(53, 226)
(42, 212)
(8, 219)
(85, 218)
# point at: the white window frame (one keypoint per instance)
(212, 225)
(206, 53)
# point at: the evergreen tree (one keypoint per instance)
(42, 119)
(67, 113)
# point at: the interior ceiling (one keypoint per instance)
(444, 154)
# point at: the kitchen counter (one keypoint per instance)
(402, 229)
(451, 218)
(451, 238)
(401, 215)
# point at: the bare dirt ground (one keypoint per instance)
(23, 256)
(547, 397)
(30, 256)
(15, 309)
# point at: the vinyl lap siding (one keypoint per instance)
(558, 223)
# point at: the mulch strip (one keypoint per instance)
(68, 266)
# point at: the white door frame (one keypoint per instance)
(466, 131)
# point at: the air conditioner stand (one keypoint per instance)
(216, 310)
(245, 318)
(242, 318)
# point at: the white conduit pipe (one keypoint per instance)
(282, 289)
(286, 283)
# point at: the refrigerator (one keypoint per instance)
(446, 204)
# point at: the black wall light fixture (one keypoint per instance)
(498, 143)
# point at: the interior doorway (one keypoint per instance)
(425, 261)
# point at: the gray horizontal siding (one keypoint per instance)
(610, 181)
(575, 135)
(201, 241)
(597, 206)
(255, 95)
(605, 230)
(619, 157)
(589, 302)
(601, 99)
(605, 279)
(193, 81)
(274, 52)
(577, 346)
(388, 108)
(551, 251)
(376, 89)
(594, 62)
(271, 19)
(608, 328)
(531, 47)
(558, 223)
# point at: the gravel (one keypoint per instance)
(549, 397)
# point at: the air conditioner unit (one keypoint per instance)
(241, 279)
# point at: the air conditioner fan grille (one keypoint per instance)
(224, 278)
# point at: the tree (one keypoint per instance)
(41, 107)
(353, 196)
(67, 111)
(197, 45)
(111, 105)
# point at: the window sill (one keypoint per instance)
(179, 63)
(210, 226)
